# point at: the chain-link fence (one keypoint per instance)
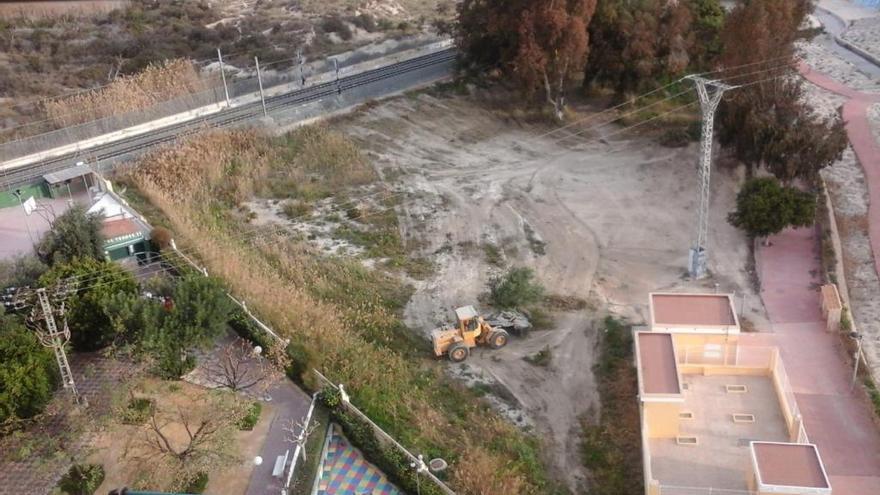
(244, 85)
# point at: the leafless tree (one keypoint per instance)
(298, 432)
(178, 442)
(238, 367)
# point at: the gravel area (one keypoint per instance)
(865, 33)
(820, 58)
(874, 118)
(849, 195)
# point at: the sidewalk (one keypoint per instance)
(837, 420)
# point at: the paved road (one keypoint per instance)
(839, 421)
(291, 403)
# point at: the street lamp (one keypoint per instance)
(857, 357)
(420, 467)
(27, 224)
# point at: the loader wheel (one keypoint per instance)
(498, 339)
(458, 353)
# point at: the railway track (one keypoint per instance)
(239, 115)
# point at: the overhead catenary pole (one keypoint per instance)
(260, 82)
(710, 93)
(223, 76)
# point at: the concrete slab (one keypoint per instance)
(722, 457)
(14, 224)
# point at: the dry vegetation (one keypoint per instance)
(341, 317)
(44, 56)
(158, 82)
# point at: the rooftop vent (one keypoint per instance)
(686, 440)
(743, 418)
(736, 389)
(686, 415)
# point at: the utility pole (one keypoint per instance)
(260, 81)
(710, 93)
(223, 76)
(51, 336)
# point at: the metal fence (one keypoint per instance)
(210, 100)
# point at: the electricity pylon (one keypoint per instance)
(51, 336)
(710, 93)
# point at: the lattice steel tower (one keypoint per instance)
(52, 336)
(710, 93)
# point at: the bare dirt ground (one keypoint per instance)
(601, 221)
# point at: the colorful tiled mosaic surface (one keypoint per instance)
(346, 472)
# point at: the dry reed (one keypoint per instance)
(333, 311)
(157, 83)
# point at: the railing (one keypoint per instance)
(205, 102)
(695, 490)
(385, 437)
(732, 355)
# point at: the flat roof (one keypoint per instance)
(659, 372)
(119, 228)
(692, 309)
(67, 174)
(789, 464)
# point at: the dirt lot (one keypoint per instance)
(601, 221)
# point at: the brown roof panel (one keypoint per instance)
(692, 309)
(657, 357)
(789, 464)
(118, 228)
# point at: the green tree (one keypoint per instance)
(764, 207)
(198, 313)
(516, 289)
(74, 234)
(20, 271)
(93, 311)
(28, 373)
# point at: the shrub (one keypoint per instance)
(248, 422)
(365, 22)
(137, 411)
(198, 484)
(541, 358)
(161, 238)
(74, 234)
(516, 289)
(765, 207)
(675, 138)
(336, 25)
(28, 373)
(82, 479)
(296, 209)
(94, 313)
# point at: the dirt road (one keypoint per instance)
(602, 221)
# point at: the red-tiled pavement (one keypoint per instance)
(838, 421)
(865, 146)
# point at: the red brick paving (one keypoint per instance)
(838, 421)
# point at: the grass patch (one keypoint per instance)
(612, 444)
(296, 209)
(137, 411)
(250, 420)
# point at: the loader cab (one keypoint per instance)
(469, 322)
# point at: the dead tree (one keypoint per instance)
(238, 366)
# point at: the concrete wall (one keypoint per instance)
(662, 419)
